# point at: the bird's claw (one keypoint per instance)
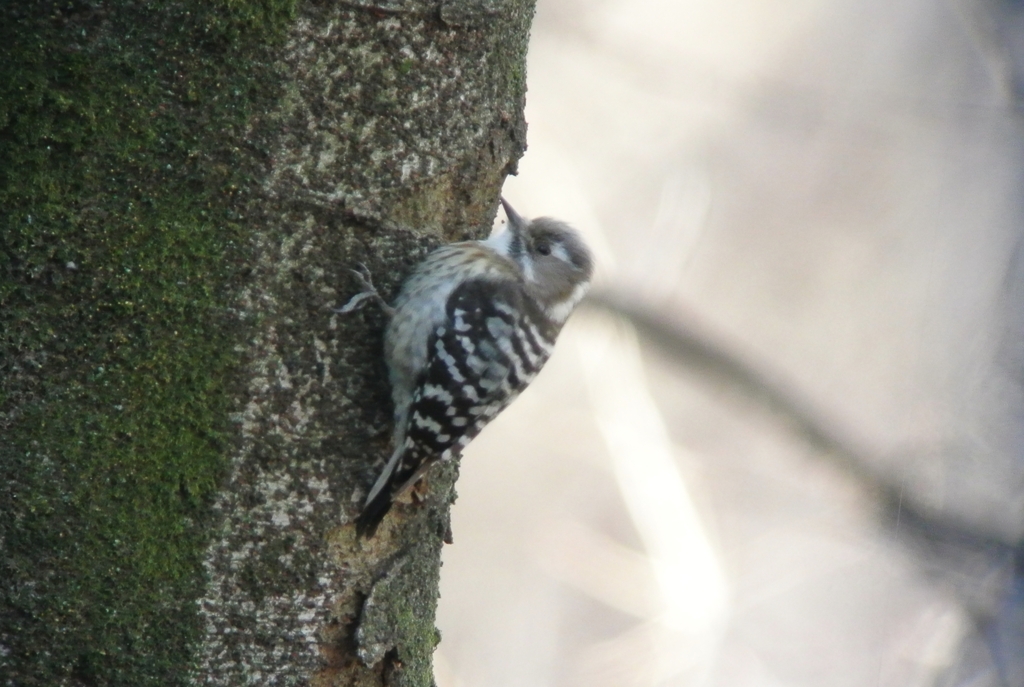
(369, 292)
(362, 276)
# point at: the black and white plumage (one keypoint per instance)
(470, 329)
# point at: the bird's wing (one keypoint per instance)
(479, 359)
(477, 364)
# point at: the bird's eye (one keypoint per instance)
(543, 248)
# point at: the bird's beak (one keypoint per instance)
(515, 222)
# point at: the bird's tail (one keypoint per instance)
(379, 500)
(373, 513)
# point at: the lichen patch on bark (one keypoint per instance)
(393, 134)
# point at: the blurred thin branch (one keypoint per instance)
(690, 345)
(959, 553)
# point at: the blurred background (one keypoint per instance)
(783, 444)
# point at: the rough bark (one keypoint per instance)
(186, 428)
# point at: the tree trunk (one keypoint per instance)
(187, 430)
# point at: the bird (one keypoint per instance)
(470, 328)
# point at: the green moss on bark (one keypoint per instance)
(122, 155)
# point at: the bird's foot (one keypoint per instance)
(369, 292)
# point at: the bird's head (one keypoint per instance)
(555, 263)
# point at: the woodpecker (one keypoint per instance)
(470, 329)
